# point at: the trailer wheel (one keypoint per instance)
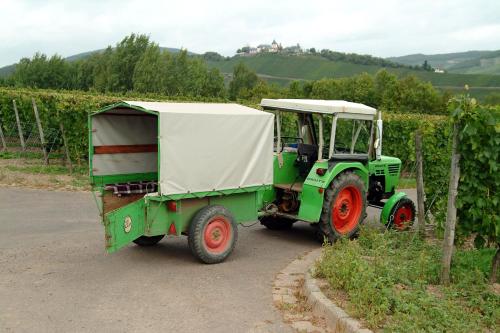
(402, 215)
(212, 234)
(344, 208)
(276, 223)
(148, 240)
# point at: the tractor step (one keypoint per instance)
(296, 187)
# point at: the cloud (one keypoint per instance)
(382, 28)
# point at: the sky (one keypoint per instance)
(381, 28)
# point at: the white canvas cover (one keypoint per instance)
(208, 146)
(319, 106)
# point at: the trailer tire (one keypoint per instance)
(212, 234)
(344, 207)
(148, 240)
(276, 223)
(402, 215)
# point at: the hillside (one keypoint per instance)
(281, 69)
(470, 62)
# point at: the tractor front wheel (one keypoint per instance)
(212, 234)
(402, 215)
(148, 240)
(344, 207)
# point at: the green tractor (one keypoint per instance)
(329, 167)
(200, 169)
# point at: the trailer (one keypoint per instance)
(200, 169)
(192, 169)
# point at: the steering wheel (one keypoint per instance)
(283, 141)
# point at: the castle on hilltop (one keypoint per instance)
(274, 47)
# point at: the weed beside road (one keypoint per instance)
(391, 281)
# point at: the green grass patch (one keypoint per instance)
(392, 283)
(407, 183)
(47, 169)
(8, 155)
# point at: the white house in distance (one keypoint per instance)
(274, 47)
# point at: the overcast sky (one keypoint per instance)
(381, 28)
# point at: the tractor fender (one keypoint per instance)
(312, 195)
(389, 205)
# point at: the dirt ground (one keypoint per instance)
(26, 173)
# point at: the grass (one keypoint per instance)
(392, 283)
(46, 169)
(407, 183)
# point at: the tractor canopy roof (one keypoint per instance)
(318, 106)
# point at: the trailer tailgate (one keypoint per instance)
(123, 225)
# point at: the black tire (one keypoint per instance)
(226, 224)
(347, 180)
(148, 240)
(404, 206)
(276, 223)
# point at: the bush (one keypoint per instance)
(391, 281)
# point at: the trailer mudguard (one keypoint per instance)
(389, 205)
(123, 225)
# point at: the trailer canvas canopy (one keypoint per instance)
(199, 146)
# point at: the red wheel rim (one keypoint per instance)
(217, 234)
(403, 217)
(346, 209)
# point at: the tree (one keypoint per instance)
(212, 56)
(43, 72)
(214, 84)
(243, 79)
(123, 60)
(150, 73)
(426, 66)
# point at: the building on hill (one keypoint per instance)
(264, 48)
(275, 47)
(295, 49)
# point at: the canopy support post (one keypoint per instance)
(332, 136)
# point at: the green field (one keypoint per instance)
(282, 69)
(470, 62)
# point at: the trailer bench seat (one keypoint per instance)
(141, 187)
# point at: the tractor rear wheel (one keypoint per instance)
(402, 215)
(276, 223)
(212, 234)
(344, 207)
(148, 240)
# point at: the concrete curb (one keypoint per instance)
(336, 318)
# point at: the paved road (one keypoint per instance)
(56, 277)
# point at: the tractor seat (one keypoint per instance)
(307, 155)
(363, 158)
